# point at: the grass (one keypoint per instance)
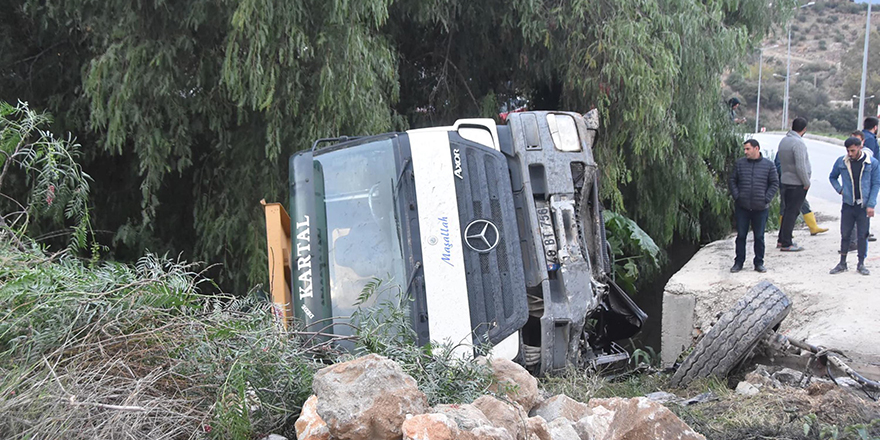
(94, 350)
(114, 351)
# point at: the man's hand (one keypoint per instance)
(870, 212)
(807, 188)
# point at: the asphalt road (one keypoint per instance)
(822, 157)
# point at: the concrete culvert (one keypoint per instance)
(734, 337)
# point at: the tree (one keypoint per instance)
(852, 65)
(197, 104)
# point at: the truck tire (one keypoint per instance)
(736, 334)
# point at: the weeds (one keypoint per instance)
(441, 372)
(115, 351)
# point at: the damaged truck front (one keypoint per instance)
(495, 232)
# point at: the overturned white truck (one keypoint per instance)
(495, 233)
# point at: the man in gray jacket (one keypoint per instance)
(753, 184)
(795, 180)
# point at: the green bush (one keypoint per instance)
(635, 254)
(823, 45)
(821, 126)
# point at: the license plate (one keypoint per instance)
(548, 237)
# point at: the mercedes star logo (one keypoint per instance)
(481, 235)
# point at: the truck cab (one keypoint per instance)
(495, 233)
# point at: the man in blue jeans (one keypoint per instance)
(861, 183)
(753, 184)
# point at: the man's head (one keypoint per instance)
(871, 124)
(752, 149)
(799, 125)
(733, 103)
(858, 134)
(853, 147)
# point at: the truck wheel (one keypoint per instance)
(736, 334)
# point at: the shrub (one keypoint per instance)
(823, 45)
(821, 126)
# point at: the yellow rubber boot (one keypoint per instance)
(810, 220)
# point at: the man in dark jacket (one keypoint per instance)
(870, 133)
(753, 184)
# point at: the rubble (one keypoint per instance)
(372, 398)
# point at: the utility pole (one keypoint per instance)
(787, 78)
(864, 70)
(760, 71)
(788, 69)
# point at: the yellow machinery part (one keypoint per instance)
(278, 241)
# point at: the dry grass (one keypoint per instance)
(115, 352)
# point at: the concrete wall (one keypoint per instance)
(677, 326)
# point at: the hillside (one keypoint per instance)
(826, 52)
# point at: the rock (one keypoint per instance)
(274, 437)
(662, 397)
(367, 398)
(633, 419)
(509, 416)
(746, 389)
(596, 425)
(789, 377)
(309, 425)
(429, 427)
(563, 429)
(538, 429)
(561, 406)
(488, 433)
(515, 382)
(762, 378)
(708, 396)
(466, 417)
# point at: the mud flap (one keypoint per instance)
(622, 318)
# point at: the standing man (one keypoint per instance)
(794, 163)
(753, 184)
(870, 133)
(861, 183)
(870, 138)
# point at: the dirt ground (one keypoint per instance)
(835, 311)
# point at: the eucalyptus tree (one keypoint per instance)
(187, 110)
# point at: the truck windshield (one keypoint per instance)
(362, 227)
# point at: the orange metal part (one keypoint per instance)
(278, 242)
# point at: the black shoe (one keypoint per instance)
(863, 270)
(760, 268)
(841, 267)
(871, 237)
(736, 268)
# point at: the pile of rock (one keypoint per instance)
(371, 398)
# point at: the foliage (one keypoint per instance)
(635, 253)
(49, 176)
(852, 66)
(197, 104)
(110, 350)
(441, 372)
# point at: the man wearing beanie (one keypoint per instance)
(860, 185)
